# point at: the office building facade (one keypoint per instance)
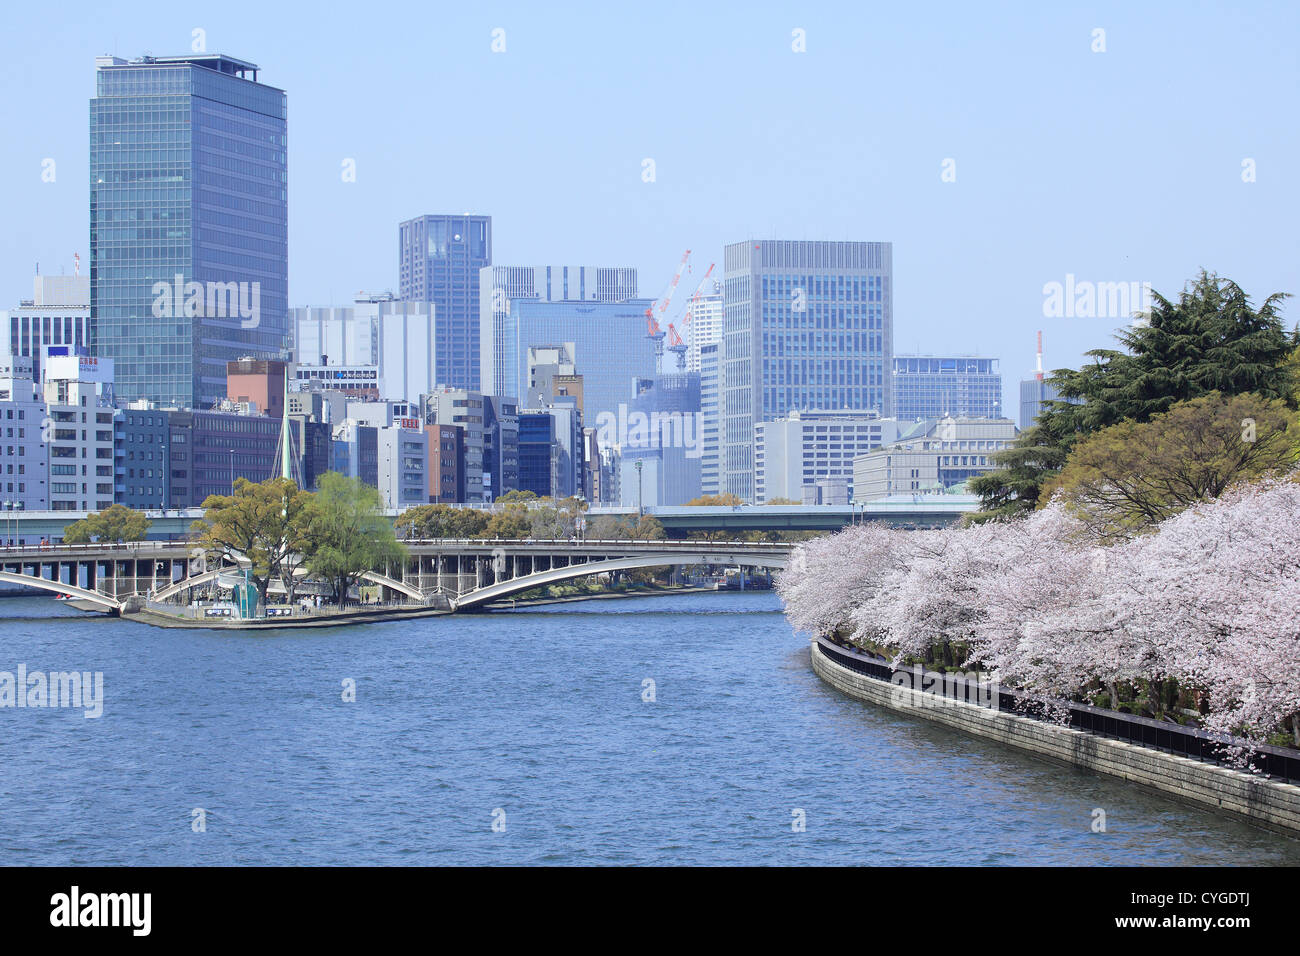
(957, 386)
(140, 459)
(78, 392)
(23, 439)
(1035, 393)
(806, 325)
(595, 308)
(188, 223)
(500, 446)
(379, 341)
(815, 450)
(710, 408)
(58, 313)
(704, 324)
(931, 457)
(660, 456)
(440, 259)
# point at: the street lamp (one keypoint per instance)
(640, 511)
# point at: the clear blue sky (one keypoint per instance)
(1115, 166)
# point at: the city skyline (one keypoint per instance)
(972, 258)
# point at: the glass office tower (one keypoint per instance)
(188, 223)
(439, 260)
(806, 325)
(934, 386)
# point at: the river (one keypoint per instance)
(534, 720)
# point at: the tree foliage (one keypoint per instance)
(261, 524)
(114, 525)
(442, 521)
(1210, 340)
(524, 515)
(1130, 476)
(626, 528)
(345, 533)
(725, 500)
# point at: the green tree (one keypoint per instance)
(114, 525)
(513, 521)
(517, 496)
(648, 528)
(1015, 485)
(442, 521)
(346, 533)
(610, 528)
(726, 500)
(1132, 475)
(1210, 340)
(626, 528)
(261, 524)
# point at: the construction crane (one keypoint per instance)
(677, 346)
(654, 331)
(689, 313)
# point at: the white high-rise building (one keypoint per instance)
(78, 392)
(58, 313)
(24, 472)
(394, 336)
(811, 448)
(705, 325)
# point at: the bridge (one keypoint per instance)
(456, 575)
(921, 511)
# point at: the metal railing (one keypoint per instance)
(1276, 763)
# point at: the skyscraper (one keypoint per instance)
(807, 325)
(439, 259)
(705, 326)
(188, 223)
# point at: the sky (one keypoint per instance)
(999, 147)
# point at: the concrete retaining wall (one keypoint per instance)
(1266, 803)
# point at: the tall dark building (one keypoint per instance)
(439, 262)
(188, 223)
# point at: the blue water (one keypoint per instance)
(537, 714)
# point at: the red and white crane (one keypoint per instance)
(657, 310)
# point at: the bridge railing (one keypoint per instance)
(665, 545)
(137, 547)
(129, 547)
(1191, 742)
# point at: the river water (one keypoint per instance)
(536, 721)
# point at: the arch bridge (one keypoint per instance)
(455, 574)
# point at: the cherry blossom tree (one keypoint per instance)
(829, 577)
(1205, 602)
(1219, 591)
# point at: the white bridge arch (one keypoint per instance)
(462, 574)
